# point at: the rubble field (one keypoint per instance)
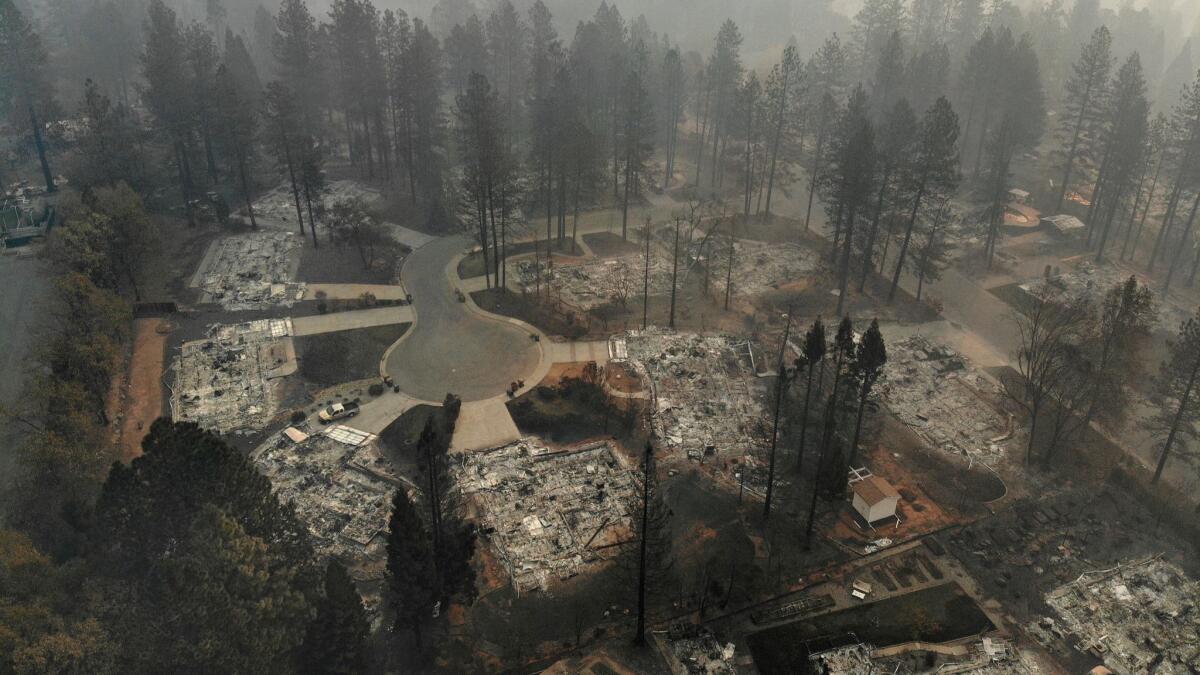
(696, 651)
(227, 382)
(1138, 617)
(989, 656)
(1085, 279)
(549, 514)
(252, 271)
(279, 203)
(709, 403)
(593, 283)
(940, 395)
(760, 266)
(341, 487)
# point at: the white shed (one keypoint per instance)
(874, 498)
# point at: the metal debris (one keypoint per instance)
(937, 392)
(709, 403)
(226, 382)
(341, 492)
(698, 652)
(761, 266)
(252, 271)
(1088, 281)
(592, 283)
(548, 513)
(1138, 617)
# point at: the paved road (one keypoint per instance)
(451, 348)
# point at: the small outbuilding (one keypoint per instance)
(1064, 224)
(1018, 196)
(874, 498)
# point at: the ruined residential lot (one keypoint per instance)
(556, 522)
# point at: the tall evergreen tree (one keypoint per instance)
(1177, 383)
(192, 521)
(655, 556)
(814, 357)
(849, 181)
(411, 586)
(166, 94)
(336, 643)
(784, 91)
(873, 24)
(934, 173)
(637, 131)
(1127, 124)
(285, 140)
(296, 48)
(869, 358)
(897, 135)
(1086, 98)
(23, 75)
(236, 132)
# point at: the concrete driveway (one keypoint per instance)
(452, 347)
(362, 318)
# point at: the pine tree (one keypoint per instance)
(637, 131)
(749, 105)
(336, 642)
(869, 358)
(890, 78)
(675, 95)
(849, 181)
(784, 92)
(192, 521)
(296, 51)
(933, 251)
(411, 584)
(109, 146)
(507, 36)
(1176, 383)
(877, 20)
(1154, 155)
(236, 132)
(166, 94)
(240, 64)
(724, 74)
(897, 135)
(1187, 123)
(466, 53)
(22, 72)
(201, 59)
(1086, 98)
(283, 135)
(655, 556)
(1185, 132)
(488, 170)
(814, 356)
(826, 72)
(1020, 104)
(1128, 123)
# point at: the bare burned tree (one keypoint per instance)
(1051, 326)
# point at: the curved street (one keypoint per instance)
(450, 348)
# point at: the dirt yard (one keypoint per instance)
(144, 401)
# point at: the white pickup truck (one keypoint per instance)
(338, 411)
